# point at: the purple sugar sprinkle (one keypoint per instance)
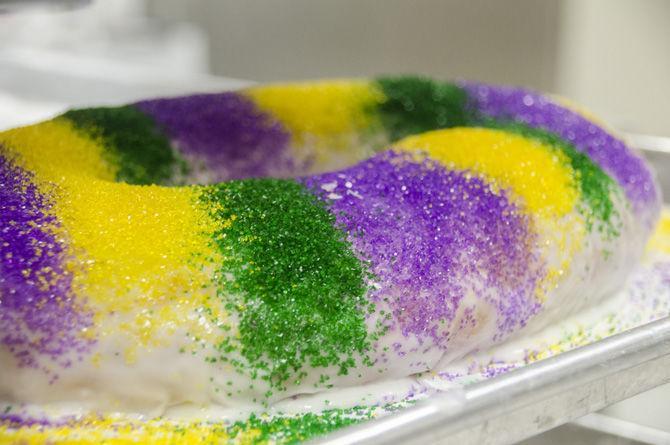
(38, 313)
(431, 235)
(224, 134)
(610, 153)
(17, 420)
(496, 369)
(449, 376)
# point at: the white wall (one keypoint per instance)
(614, 58)
(510, 42)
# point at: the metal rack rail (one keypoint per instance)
(532, 399)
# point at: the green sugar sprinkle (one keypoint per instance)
(292, 277)
(134, 143)
(595, 186)
(296, 429)
(300, 428)
(416, 104)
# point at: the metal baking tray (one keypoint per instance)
(543, 395)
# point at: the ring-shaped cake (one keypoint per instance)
(239, 248)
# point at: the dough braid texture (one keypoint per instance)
(247, 246)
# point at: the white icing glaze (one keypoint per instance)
(163, 381)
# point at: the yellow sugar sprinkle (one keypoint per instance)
(660, 240)
(55, 149)
(534, 172)
(325, 118)
(324, 109)
(539, 177)
(138, 250)
(140, 247)
(107, 431)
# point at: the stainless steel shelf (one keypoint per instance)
(532, 399)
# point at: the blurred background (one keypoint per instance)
(611, 56)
